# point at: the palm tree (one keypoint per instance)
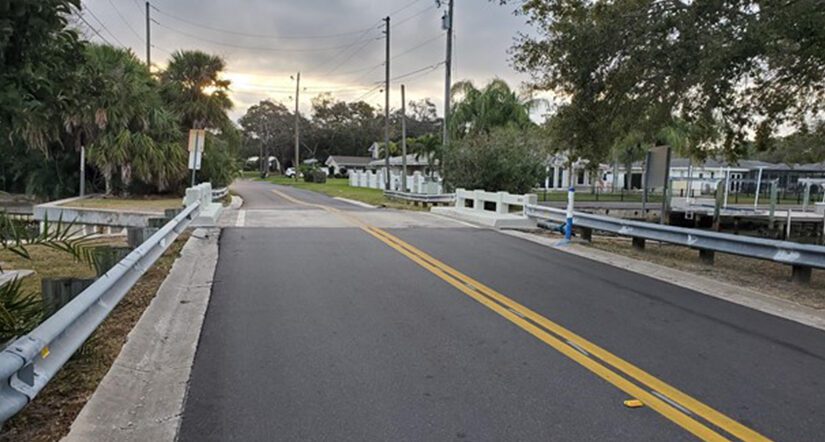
(480, 110)
(124, 122)
(629, 149)
(429, 147)
(193, 88)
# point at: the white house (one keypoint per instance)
(341, 164)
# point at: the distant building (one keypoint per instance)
(341, 164)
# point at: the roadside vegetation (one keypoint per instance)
(60, 93)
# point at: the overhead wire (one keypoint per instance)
(251, 48)
(126, 22)
(254, 35)
(102, 25)
(92, 28)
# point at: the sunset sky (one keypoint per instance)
(337, 45)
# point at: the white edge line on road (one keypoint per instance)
(463, 223)
(241, 218)
(354, 202)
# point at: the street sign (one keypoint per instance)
(197, 141)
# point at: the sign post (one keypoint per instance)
(657, 174)
(197, 141)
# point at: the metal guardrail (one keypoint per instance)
(219, 193)
(28, 363)
(444, 198)
(784, 252)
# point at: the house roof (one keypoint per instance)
(343, 160)
(712, 163)
(396, 161)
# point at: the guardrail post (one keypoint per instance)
(706, 256)
(587, 234)
(460, 200)
(501, 206)
(801, 275)
(478, 200)
(568, 230)
(638, 243)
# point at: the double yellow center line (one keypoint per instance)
(680, 408)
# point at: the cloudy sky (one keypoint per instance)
(337, 45)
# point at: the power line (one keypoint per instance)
(126, 22)
(404, 7)
(83, 19)
(89, 10)
(254, 35)
(431, 67)
(251, 48)
(418, 46)
(404, 20)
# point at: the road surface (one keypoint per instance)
(330, 321)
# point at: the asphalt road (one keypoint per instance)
(323, 328)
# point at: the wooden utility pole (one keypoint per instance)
(297, 124)
(148, 38)
(403, 139)
(448, 71)
(387, 110)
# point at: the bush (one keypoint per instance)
(506, 159)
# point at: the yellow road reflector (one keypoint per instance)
(633, 403)
(44, 353)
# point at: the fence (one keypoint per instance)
(802, 257)
(501, 202)
(421, 198)
(28, 363)
(416, 183)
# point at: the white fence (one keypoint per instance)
(416, 183)
(477, 199)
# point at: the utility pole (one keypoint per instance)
(148, 39)
(387, 111)
(297, 123)
(82, 170)
(403, 139)
(448, 68)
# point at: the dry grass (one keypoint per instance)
(50, 415)
(146, 204)
(50, 263)
(767, 277)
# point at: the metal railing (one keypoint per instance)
(803, 256)
(29, 362)
(443, 198)
(219, 193)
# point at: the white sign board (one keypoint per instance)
(197, 141)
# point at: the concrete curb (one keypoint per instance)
(142, 396)
(717, 289)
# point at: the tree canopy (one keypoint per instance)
(739, 66)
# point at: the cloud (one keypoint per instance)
(347, 64)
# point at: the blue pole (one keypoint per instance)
(568, 231)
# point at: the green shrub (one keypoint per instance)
(319, 176)
(506, 159)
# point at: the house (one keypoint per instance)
(415, 163)
(342, 165)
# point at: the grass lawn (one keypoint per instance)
(50, 263)
(339, 187)
(146, 204)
